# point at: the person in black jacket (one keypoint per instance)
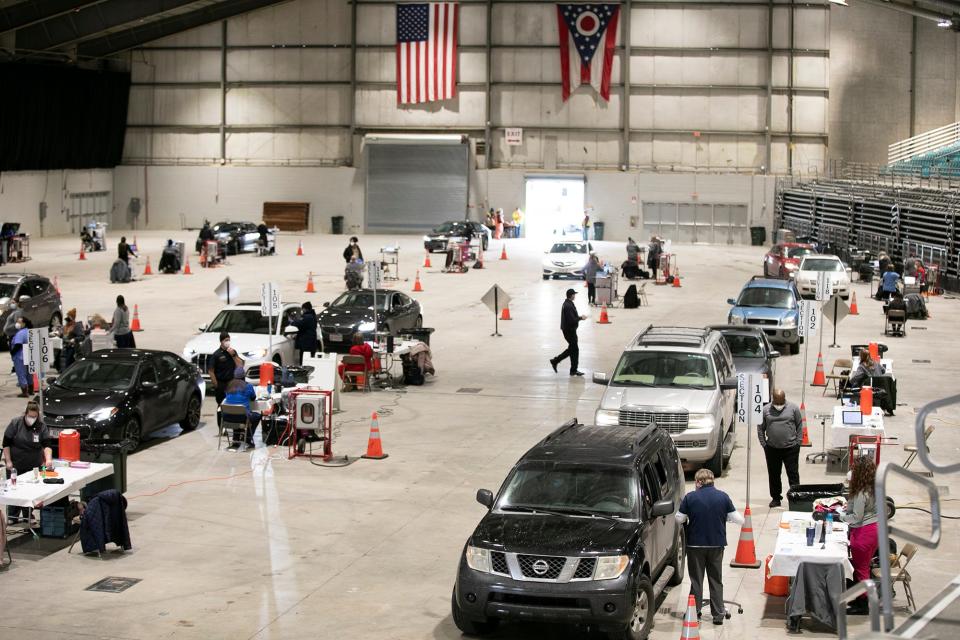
(306, 325)
(569, 321)
(352, 251)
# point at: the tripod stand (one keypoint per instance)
(822, 455)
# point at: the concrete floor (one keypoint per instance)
(256, 546)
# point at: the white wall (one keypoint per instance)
(21, 193)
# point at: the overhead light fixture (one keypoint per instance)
(943, 23)
(842, 3)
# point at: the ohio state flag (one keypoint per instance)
(588, 36)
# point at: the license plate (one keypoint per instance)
(335, 337)
(54, 431)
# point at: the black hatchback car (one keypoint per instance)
(582, 531)
(118, 394)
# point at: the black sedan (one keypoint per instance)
(751, 350)
(119, 394)
(352, 313)
(438, 239)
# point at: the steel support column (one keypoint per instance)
(223, 92)
(353, 82)
(768, 124)
(487, 126)
(626, 11)
(913, 74)
(790, 61)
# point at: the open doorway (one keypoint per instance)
(554, 208)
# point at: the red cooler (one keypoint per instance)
(69, 445)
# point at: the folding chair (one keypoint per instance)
(900, 562)
(912, 448)
(837, 375)
(896, 323)
(233, 417)
(642, 291)
(350, 378)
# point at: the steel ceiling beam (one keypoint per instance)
(90, 21)
(116, 42)
(25, 14)
(913, 11)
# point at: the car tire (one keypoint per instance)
(546, 277)
(191, 419)
(715, 463)
(644, 608)
(133, 433)
(794, 348)
(470, 627)
(679, 559)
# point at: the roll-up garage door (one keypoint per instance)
(415, 186)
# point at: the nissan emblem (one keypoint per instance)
(540, 567)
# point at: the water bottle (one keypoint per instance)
(13, 477)
(829, 523)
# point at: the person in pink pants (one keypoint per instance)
(861, 516)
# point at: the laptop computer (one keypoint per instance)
(852, 418)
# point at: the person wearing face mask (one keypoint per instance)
(222, 366)
(10, 326)
(781, 434)
(705, 513)
(17, 345)
(26, 445)
(352, 252)
(240, 392)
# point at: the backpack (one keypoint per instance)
(630, 299)
(411, 373)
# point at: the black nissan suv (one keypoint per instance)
(582, 531)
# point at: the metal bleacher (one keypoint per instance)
(933, 153)
(939, 619)
(901, 218)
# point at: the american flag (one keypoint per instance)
(426, 52)
(590, 30)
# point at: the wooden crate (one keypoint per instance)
(287, 216)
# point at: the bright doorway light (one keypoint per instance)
(553, 208)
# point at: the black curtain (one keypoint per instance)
(55, 117)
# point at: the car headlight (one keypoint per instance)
(610, 567)
(426, 238)
(700, 421)
(789, 323)
(366, 327)
(102, 414)
(255, 353)
(478, 559)
(606, 417)
(735, 319)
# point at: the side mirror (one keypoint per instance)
(662, 508)
(147, 384)
(326, 304)
(600, 378)
(290, 329)
(774, 354)
(23, 298)
(731, 301)
(485, 497)
(202, 328)
(730, 384)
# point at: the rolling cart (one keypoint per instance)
(390, 261)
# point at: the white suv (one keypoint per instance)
(682, 380)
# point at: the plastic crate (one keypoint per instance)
(57, 520)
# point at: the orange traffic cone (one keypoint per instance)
(300, 248)
(135, 323)
(604, 318)
(853, 305)
(676, 280)
(819, 378)
(503, 253)
(36, 383)
(691, 624)
(426, 261)
(310, 287)
(186, 268)
(416, 283)
(746, 557)
(505, 314)
(83, 256)
(374, 445)
(147, 270)
(806, 434)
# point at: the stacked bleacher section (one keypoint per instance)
(901, 220)
(934, 154)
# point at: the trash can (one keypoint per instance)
(422, 334)
(336, 225)
(758, 236)
(106, 451)
(802, 496)
(598, 231)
